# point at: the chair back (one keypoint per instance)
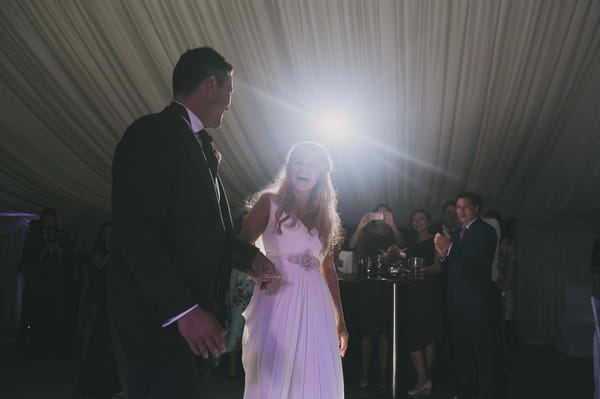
(595, 308)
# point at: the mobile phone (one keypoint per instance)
(376, 215)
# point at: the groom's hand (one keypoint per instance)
(263, 271)
(202, 333)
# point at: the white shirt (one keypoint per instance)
(194, 123)
(494, 223)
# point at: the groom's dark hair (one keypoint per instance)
(197, 64)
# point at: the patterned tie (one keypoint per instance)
(462, 233)
(204, 139)
(209, 152)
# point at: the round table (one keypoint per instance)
(395, 281)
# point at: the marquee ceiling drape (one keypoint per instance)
(500, 97)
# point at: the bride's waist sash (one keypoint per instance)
(305, 260)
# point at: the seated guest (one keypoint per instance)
(420, 307)
(375, 232)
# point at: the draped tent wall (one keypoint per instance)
(553, 257)
(499, 97)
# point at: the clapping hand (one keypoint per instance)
(52, 248)
(263, 271)
(442, 242)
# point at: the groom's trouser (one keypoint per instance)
(159, 368)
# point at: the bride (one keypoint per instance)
(294, 335)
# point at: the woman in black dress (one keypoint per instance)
(98, 374)
(376, 231)
(420, 315)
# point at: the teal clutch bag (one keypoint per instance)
(241, 288)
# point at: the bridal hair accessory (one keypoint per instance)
(307, 260)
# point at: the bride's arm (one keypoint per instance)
(262, 270)
(328, 271)
(256, 220)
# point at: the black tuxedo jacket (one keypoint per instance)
(469, 263)
(172, 241)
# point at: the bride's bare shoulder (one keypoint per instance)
(263, 203)
(256, 220)
(267, 198)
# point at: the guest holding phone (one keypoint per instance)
(376, 231)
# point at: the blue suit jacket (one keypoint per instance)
(469, 264)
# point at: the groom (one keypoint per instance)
(173, 245)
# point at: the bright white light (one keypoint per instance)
(334, 124)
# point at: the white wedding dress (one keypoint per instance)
(290, 342)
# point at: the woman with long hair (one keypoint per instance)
(295, 334)
(420, 313)
(98, 375)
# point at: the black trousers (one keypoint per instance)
(476, 335)
(173, 372)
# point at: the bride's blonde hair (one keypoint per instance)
(322, 213)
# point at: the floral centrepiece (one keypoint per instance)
(393, 255)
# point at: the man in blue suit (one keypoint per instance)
(467, 253)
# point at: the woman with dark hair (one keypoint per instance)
(420, 312)
(375, 232)
(98, 375)
(100, 255)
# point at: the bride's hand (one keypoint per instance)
(342, 338)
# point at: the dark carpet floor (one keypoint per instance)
(534, 372)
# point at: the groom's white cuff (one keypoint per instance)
(179, 316)
(447, 253)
